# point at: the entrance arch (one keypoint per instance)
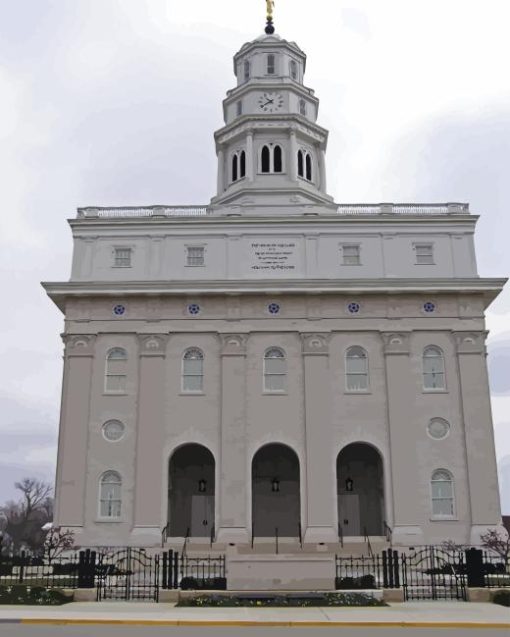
(275, 491)
(360, 490)
(191, 491)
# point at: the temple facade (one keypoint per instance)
(274, 363)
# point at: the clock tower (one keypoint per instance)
(271, 151)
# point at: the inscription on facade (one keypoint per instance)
(271, 256)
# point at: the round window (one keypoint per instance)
(438, 428)
(113, 430)
(119, 310)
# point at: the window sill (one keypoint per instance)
(192, 393)
(115, 393)
(108, 520)
(348, 265)
(275, 393)
(434, 391)
(122, 266)
(446, 518)
(194, 265)
(425, 264)
(357, 391)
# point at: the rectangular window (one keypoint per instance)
(351, 255)
(270, 64)
(424, 253)
(442, 499)
(195, 255)
(239, 108)
(115, 382)
(122, 258)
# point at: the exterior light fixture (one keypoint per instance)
(275, 485)
(202, 484)
(349, 484)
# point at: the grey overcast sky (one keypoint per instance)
(114, 102)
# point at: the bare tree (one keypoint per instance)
(497, 542)
(57, 541)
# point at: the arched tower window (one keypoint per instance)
(308, 166)
(234, 167)
(433, 368)
(356, 369)
(116, 370)
(110, 495)
(193, 370)
(275, 370)
(246, 70)
(271, 64)
(242, 164)
(300, 164)
(302, 107)
(441, 487)
(293, 70)
(265, 160)
(278, 166)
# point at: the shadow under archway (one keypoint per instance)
(191, 491)
(275, 491)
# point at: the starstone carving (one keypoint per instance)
(395, 342)
(470, 342)
(152, 344)
(79, 344)
(233, 344)
(313, 343)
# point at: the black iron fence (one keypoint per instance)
(364, 572)
(34, 570)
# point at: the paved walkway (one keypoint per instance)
(417, 614)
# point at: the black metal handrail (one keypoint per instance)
(276, 538)
(340, 535)
(252, 533)
(185, 541)
(367, 540)
(300, 534)
(388, 531)
(164, 534)
(213, 533)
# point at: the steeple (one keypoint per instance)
(271, 151)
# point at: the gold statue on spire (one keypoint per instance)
(270, 7)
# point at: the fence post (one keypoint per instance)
(474, 567)
(86, 569)
(175, 582)
(385, 569)
(22, 567)
(165, 570)
(395, 574)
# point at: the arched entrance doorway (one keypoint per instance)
(360, 490)
(275, 491)
(191, 491)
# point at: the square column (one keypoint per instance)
(149, 440)
(319, 463)
(479, 433)
(73, 432)
(232, 514)
(401, 392)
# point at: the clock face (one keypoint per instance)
(271, 102)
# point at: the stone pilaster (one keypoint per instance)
(405, 481)
(478, 431)
(221, 171)
(320, 475)
(73, 436)
(250, 158)
(148, 520)
(232, 513)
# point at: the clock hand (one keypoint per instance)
(268, 102)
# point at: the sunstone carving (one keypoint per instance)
(152, 344)
(315, 343)
(233, 344)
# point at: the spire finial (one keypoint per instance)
(269, 24)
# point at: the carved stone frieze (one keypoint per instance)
(233, 344)
(152, 344)
(79, 344)
(470, 342)
(315, 343)
(395, 342)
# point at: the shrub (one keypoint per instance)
(327, 599)
(362, 582)
(22, 594)
(211, 583)
(502, 598)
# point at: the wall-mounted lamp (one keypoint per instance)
(202, 484)
(275, 485)
(349, 484)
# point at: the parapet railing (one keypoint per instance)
(341, 209)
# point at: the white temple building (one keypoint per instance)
(274, 363)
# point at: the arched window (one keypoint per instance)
(246, 70)
(277, 159)
(234, 167)
(110, 496)
(441, 487)
(356, 369)
(116, 370)
(300, 164)
(192, 370)
(302, 107)
(275, 370)
(265, 159)
(433, 368)
(308, 166)
(270, 64)
(242, 166)
(293, 69)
